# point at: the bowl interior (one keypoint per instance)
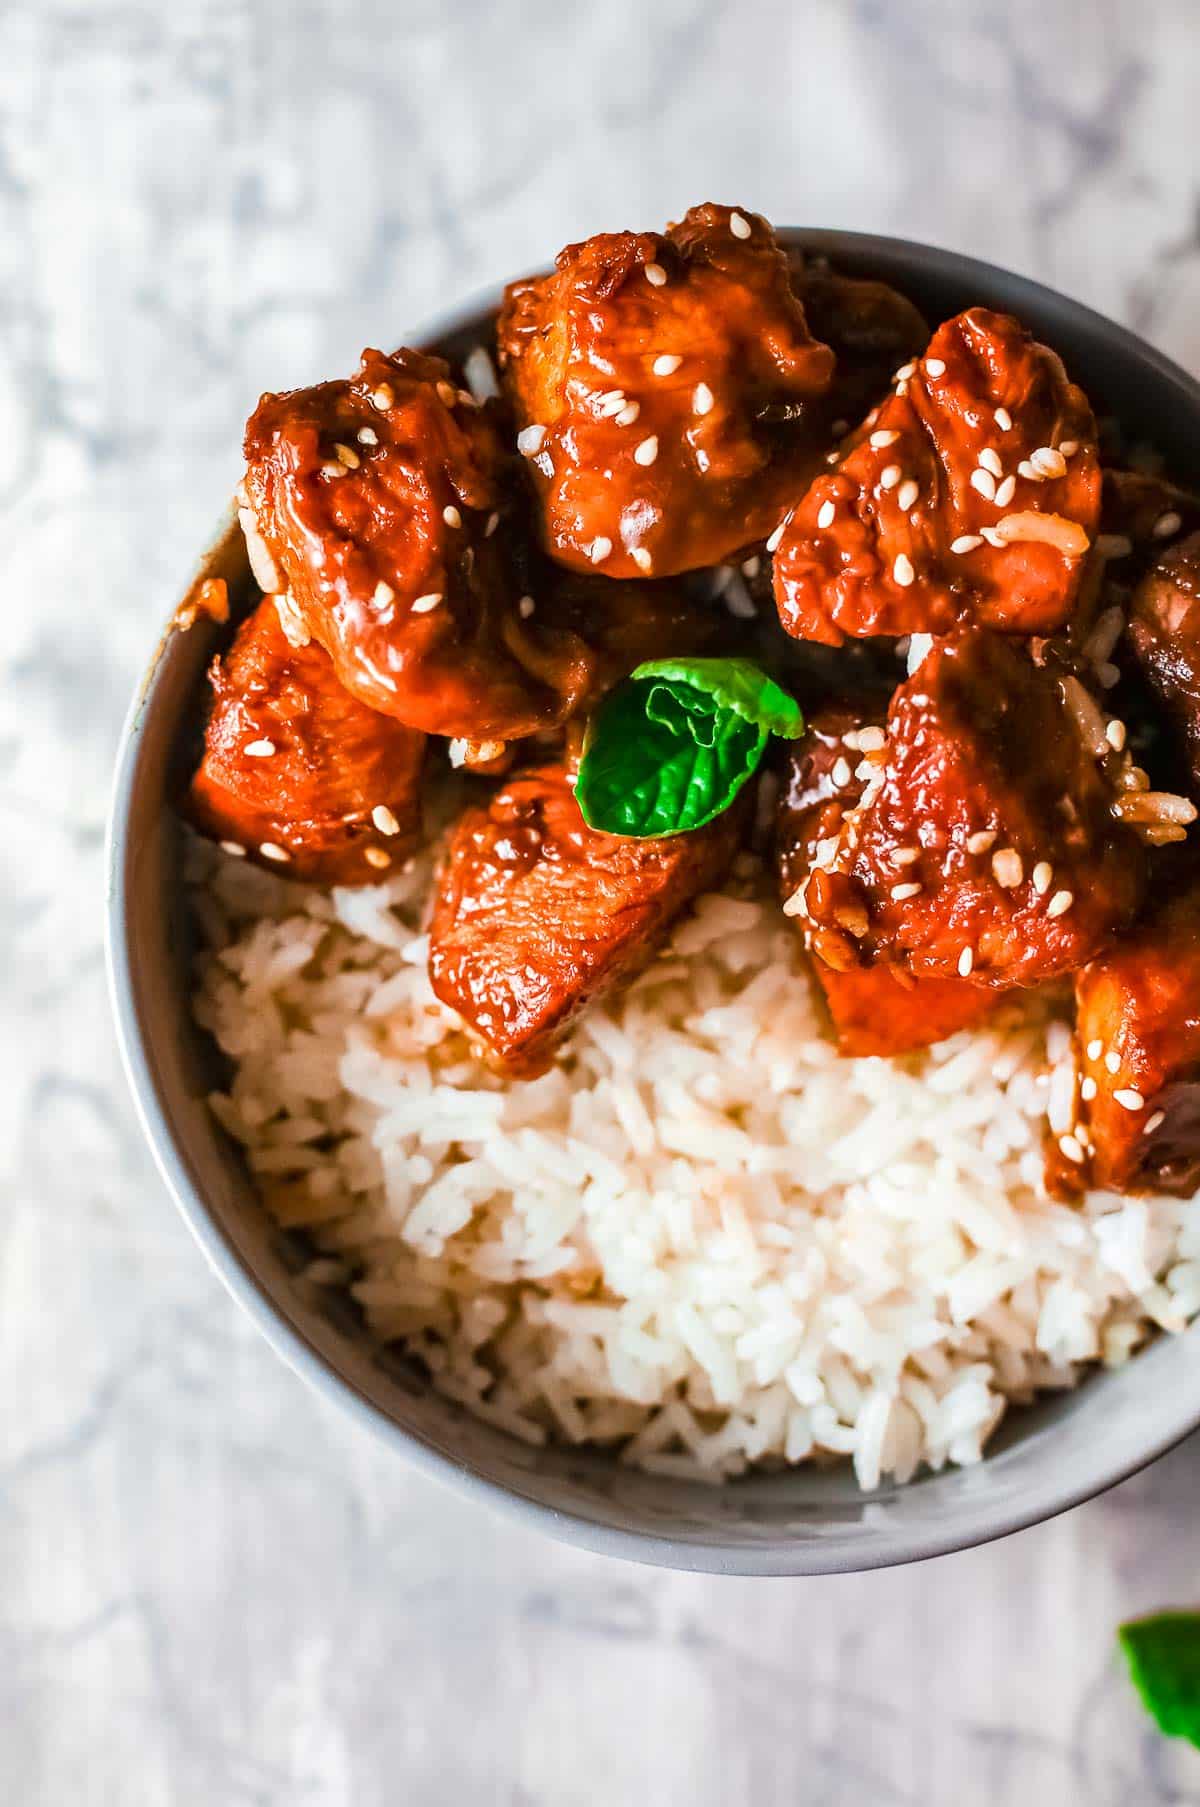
(1045, 1457)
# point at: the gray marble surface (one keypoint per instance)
(211, 1589)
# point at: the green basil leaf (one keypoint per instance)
(1163, 1653)
(671, 748)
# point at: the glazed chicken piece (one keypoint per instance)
(297, 773)
(383, 508)
(971, 495)
(881, 1009)
(986, 846)
(535, 913)
(662, 386)
(1164, 631)
(1138, 1034)
(872, 330)
(1141, 513)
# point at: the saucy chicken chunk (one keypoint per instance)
(1138, 1034)
(872, 330)
(985, 845)
(297, 773)
(879, 1010)
(971, 495)
(383, 508)
(661, 385)
(535, 913)
(1164, 631)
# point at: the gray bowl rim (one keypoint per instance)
(981, 1523)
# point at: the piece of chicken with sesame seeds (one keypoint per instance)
(972, 494)
(384, 507)
(1138, 1042)
(1164, 632)
(876, 1010)
(663, 386)
(297, 773)
(1022, 871)
(535, 913)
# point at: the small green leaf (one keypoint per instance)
(1163, 1653)
(671, 747)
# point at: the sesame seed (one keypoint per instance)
(775, 538)
(906, 856)
(451, 515)
(1068, 447)
(493, 521)
(1154, 1122)
(599, 549)
(1129, 1100)
(871, 740)
(1088, 1089)
(529, 440)
(841, 773)
(611, 402)
(383, 397)
(1095, 1049)
(1112, 1061)
(905, 371)
(902, 571)
(1043, 877)
(889, 476)
(260, 749)
(993, 537)
(647, 452)
(367, 436)
(629, 414)
(1114, 734)
(1108, 674)
(883, 437)
(900, 893)
(935, 366)
(989, 460)
(702, 399)
(655, 275)
(739, 226)
(1049, 461)
(1060, 903)
(447, 393)
(375, 856)
(1003, 419)
(526, 607)
(907, 494)
(1167, 524)
(1029, 471)
(966, 961)
(331, 468)
(981, 842)
(641, 558)
(825, 514)
(666, 364)
(966, 542)
(751, 566)
(384, 820)
(1072, 1148)
(985, 483)
(233, 848)
(270, 851)
(423, 604)
(1008, 868)
(1005, 492)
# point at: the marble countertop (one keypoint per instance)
(212, 1590)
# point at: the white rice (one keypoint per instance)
(703, 1238)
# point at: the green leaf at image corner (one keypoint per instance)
(1163, 1654)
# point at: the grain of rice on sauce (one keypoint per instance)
(703, 1239)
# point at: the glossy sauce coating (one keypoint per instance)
(943, 506)
(986, 847)
(299, 774)
(662, 385)
(1138, 1036)
(535, 913)
(1164, 631)
(876, 1010)
(386, 506)
(872, 330)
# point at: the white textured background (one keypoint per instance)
(212, 1592)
